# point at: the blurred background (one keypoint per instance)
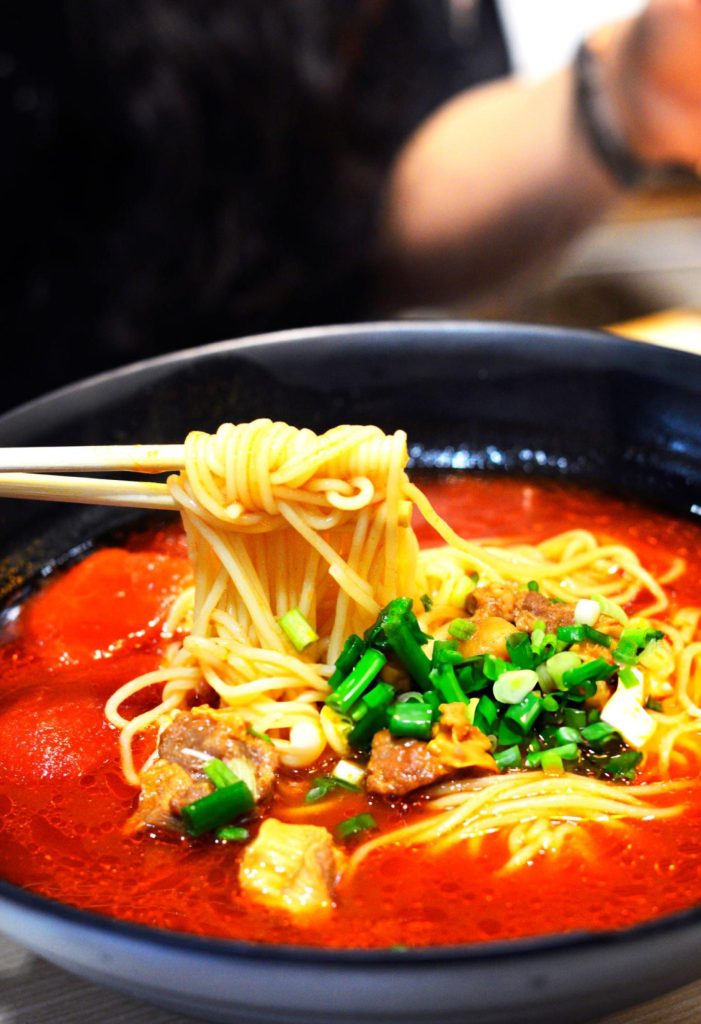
(175, 173)
(646, 255)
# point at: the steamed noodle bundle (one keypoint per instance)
(279, 518)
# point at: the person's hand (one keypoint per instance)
(652, 67)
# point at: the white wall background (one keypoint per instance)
(542, 35)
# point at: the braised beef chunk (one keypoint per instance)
(397, 766)
(493, 599)
(531, 606)
(291, 867)
(178, 778)
(193, 738)
(165, 789)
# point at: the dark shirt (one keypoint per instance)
(178, 172)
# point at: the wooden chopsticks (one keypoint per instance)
(33, 473)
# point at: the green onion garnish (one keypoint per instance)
(325, 784)
(493, 666)
(598, 732)
(560, 663)
(566, 752)
(371, 715)
(445, 681)
(565, 734)
(427, 602)
(512, 687)
(352, 651)
(509, 758)
(357, 681)
(355, 826)
(486, 714)
(259, 735)
(575, 718)
(628, 677)
(623, 765)
(232, 834)
(219, 774)
(518, 646)
(462, 629)
(217, 808)
(412, 720)
(590, 671)
(533, 586)
(297, 630)
(524, 714)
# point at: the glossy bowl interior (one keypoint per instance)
(494, 398)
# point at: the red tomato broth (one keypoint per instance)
(61, 828)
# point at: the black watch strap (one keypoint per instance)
(595, 115)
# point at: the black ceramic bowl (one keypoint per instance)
(494, 398)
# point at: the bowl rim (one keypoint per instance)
(375, 957)
(417, 329)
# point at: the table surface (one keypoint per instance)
(35, 992)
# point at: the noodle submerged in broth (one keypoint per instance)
(332, 694)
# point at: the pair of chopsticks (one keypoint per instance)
(35, 473)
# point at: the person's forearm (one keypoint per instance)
(496, 180)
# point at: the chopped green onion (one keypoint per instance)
(297, 630)
(551, 762)
(524, 714)
(560, 663)
(493, 666)
(598, 731)
(434, 701)
(575, 718)
(486, 714)
(232, 834)
(509, 758)
(565, 734)
(628, 677)
(354, 826)
(533, 586)
(414, 720)
(445, 652)
(217, 808)
(350, 655)
(590, 671)
(567, 752)
(633, 641)
(357, 681)
(512, 687)
(408, 650)
(427, 602)
(325, 784)
(608, 607)
(550, 703)
(654, 705)
(578, 633)
(518, 646)
(219, 773)
(446, 682)
(467, 680)
(623, 765)
(259, 735)
(507, 734)
(462, 629)
(372, 715)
